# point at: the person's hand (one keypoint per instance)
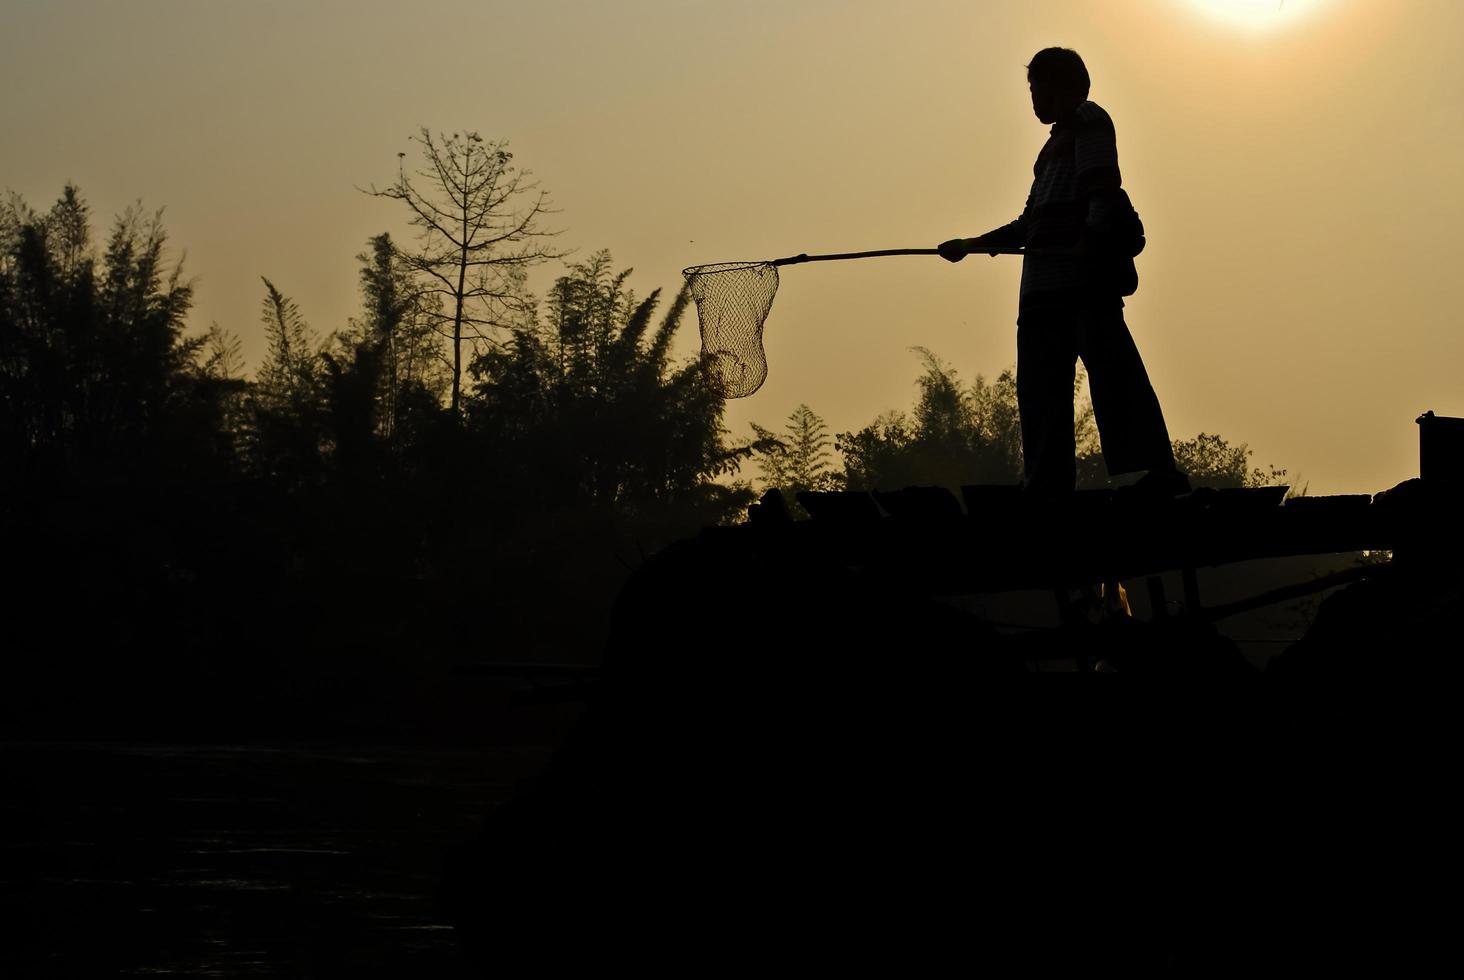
(953, 250)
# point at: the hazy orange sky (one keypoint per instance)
(1297, 165)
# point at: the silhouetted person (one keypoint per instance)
(1082, 234)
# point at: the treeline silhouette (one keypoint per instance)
(959, 434)
(316, 546)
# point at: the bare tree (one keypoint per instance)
(478, 219)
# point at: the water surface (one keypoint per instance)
(273, 860)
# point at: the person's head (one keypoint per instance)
(1059, 83)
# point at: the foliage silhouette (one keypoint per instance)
(287, 437)
(1210, 461)
(99, 381)
(956, 435)
(399, 315)
(589, 409)
(971, 434)
(798, 461)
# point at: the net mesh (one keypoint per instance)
(732, 303)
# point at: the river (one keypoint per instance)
(269, 860)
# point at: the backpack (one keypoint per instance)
(1117, 245)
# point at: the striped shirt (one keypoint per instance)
(1072, 196)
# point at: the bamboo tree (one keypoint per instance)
(398, 318)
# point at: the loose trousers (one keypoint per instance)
(1130, 422)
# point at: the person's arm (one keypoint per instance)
(1013, 234)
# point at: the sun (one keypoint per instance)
(1257, 14)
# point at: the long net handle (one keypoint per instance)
(984, 250)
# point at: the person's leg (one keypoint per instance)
(1130, 422)
(1046, 364)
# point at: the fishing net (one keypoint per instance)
(732, 303)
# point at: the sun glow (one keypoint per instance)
(1257, 14)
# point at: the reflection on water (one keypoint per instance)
(236, 860)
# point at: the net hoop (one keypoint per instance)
(713, 268)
